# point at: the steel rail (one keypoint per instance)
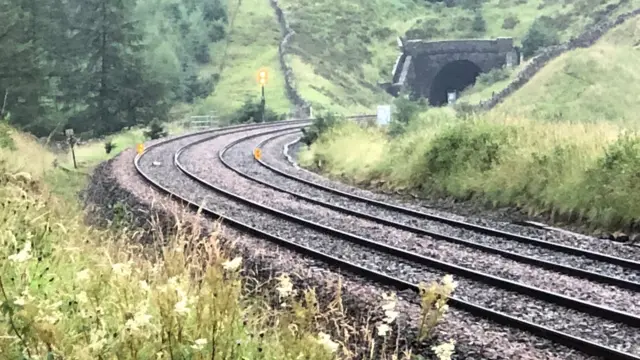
(509, 285)
(565, 269)
(631, 264)
(583, 345)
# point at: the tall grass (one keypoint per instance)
(69, 291)
(577, 170)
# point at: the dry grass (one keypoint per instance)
(71, 291)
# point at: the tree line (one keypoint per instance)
(99, 66)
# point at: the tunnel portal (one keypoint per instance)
(454, 76)
(428, 69)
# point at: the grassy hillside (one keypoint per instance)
(342, 49)
(593, 84)
(575, 166)
(253, 44)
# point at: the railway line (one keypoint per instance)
(587, 300)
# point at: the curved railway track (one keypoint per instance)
(581, 318)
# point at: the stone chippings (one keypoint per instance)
(201, 160)
(621, 299)
(611, 248)
(117, 182)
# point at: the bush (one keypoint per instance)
(321, 124)
(479, 24)
(6, 141)
(464, 147)
(537, 37)
(510, 22)
(156, 130)
(251, 112)
(109, 146)
(493, 76)
(405, 110)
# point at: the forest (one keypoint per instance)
(100, 66)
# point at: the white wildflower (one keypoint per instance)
(20, 301)
(232, 264)
(23, 255)
(449, 284)
(444, 351)
(144, 286)
(97, 340)
(182, 306)
(121, 269)
(82, 298)
(199, 344)
(325, 340)
(390, 316)
(139, 321)
(83, 275)
(383, 329)
(286, 286)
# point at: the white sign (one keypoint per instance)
(384, 114)
(451, 97)
(68, 132)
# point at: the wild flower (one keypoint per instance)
(285, 287)
(383, 329)
(232, 265)
(445, 350)
(325, 339)
(199, 344)
(23, 255)
(83, 276)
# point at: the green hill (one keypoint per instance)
(597, 83)
(342, 49)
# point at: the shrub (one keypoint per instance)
(493, 76)
(510, 22)
(251, 111)
(109, 146)
(464, 147)
(537, 37)
(6, 141)
(405, 110)
(479, 25)
(321, 124)
(156, 130)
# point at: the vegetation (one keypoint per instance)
(252, 111)
(100, 66)
(566, 144)
(338, 62)
(71, 291)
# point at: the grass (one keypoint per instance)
(253, 45)
(593, 84)
(338, 61)
(68, 290)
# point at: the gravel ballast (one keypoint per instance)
(202, 158)
(476, 338)
(624, 300)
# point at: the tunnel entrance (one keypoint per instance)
(455, 76)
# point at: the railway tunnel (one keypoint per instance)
(454, 76)
(429, 69)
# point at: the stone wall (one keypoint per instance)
(422, 47)
(302, 107)
(586, 39)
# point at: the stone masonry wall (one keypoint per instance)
(301, 105)
(586, 39)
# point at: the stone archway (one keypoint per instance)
(454, 76)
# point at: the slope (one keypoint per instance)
(597, 83)
(341, 49)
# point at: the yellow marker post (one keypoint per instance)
(140, 148)
(257, 153)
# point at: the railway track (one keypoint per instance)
(580, 317)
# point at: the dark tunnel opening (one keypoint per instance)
(455, 76)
